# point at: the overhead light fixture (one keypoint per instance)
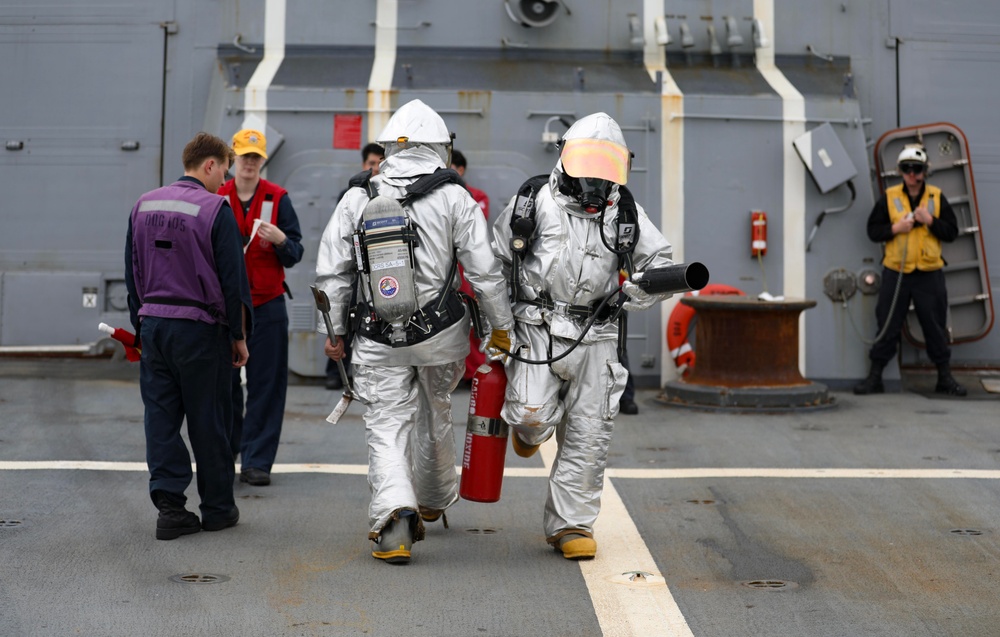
(713, 44)
(733, 37)
(822, 56)
(759, 39)
(687, 40)
(551, 138)
(636, 38)
(660, 29)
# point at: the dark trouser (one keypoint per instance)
(930, 300)
(185, 371)
(256, 434)
(629, 393)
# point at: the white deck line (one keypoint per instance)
(693, 473)
(623, 610)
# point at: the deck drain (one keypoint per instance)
(199, 578)
(9, 523)
(481, 531)
(251, 496)
(812, 428)
(700, 501)
(638, 579)
(966, 531)
(770, 584)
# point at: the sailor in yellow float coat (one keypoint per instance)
(912, 219)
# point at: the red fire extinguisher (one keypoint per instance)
(133, 352)
(758, 233)
(485, 436)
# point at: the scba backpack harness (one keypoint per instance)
(522, 226)
(384, 250)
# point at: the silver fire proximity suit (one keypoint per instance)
(407, 389)
(577, 397)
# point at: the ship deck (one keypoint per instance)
(876, 517)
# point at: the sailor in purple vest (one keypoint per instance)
(189, 300)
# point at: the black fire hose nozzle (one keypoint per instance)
(672, 279)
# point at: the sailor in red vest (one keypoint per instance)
(189, 300)
(272, 241)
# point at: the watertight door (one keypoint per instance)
(970, 305)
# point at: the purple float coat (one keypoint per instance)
(173, 262)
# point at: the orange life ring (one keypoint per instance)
(680, 322)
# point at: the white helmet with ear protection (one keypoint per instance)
(914, 153)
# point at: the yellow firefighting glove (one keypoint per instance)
(499, 339)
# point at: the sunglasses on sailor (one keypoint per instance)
(911, 168)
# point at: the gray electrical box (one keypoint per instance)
(825, 158)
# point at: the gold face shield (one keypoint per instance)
(596, 159)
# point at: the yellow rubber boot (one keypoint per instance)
(394, 542)
(428, 514)
(577, 547)
(522, 448)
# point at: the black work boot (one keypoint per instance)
(946, 383)
(628, 406)
(174, 520)
(873, 383)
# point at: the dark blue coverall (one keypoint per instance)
(185, 371)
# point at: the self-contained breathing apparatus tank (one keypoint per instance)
(385, 240)
(384, 252)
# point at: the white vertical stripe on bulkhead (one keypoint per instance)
(794, 178)
(672, 168)
(255, 94)
(380, 80)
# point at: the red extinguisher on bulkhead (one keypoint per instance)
(758, 233)
(485, 436)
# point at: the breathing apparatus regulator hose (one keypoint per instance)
(671, 279)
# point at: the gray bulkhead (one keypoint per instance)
(95, 78)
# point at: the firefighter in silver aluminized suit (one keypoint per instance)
(407, 384)
(564, 273)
